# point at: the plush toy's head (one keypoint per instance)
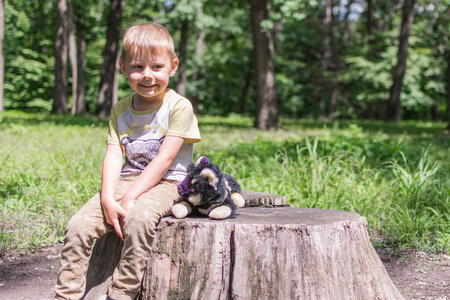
(208, 191)
(203, 185)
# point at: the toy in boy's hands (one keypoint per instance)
(209, 191)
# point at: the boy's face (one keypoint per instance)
(149, 76)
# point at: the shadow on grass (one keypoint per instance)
(22, 118)
(436, 129)
(419, 134)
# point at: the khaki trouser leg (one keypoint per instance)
(139, 232)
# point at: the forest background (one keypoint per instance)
(346, 59)
(352, 98)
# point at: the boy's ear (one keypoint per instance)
(123, 69)
(175, 63)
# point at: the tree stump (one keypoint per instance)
(265, 253)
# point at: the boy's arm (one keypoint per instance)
(154, 171)
(112, 166)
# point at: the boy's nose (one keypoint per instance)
(147, 73)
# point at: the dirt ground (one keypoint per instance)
(417, 275)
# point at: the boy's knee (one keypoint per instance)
(78, 227)
(141, 220)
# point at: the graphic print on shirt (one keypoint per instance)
(141, 152)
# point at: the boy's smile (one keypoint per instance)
(148, 76)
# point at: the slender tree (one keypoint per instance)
(346, 38)
(266, 115)
(327, 57)
(448, 87)
(334, 61)
(2, 59)
(61, 50)
(182, 75)
(394, 108)
(80, 99)
(79, 13)
(200, 48)
(445, 47)
(107, 98)
(370, 18)
(73, 57)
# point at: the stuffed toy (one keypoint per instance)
(208, 191)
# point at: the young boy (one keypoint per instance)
(155, 128)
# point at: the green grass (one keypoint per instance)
(395, 175)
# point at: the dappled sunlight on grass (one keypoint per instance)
(396, 175)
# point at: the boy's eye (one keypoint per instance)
(156, 67)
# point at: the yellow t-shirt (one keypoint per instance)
(141, 133)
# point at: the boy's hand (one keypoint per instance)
(127, 202)
(114, 213)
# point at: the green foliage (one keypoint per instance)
(28, 74)
(221, 76)
(421, 213)
(216, 76)
(50, 166)
(395, 175)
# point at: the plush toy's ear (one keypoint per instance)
(184, 187)
(211, 176)
(201, 160)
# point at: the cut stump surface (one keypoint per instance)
(265, 253)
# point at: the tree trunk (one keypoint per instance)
(394, 107)
(266, 114)
(2, 58)
(446, 54)
(334, 88)
(79, 107)
(106, 97)
(346, 38)
(326, 57)
(73, 56)
(448, 87)
(265, 253)
(200, 49)
(182, 76)
(245, 89)
(370, 20)
(61, 51)
(434, 112)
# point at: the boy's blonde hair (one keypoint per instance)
(143, 39)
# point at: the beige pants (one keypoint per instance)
(139, 230)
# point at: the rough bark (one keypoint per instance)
(394, 108)
(256, 199)
(61, 49)
(107, 250)
(79, 107)
(108, 74)
(266, 114)
(265, 253)
(278, 253)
